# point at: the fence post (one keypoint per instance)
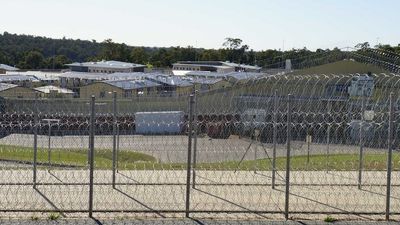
(117, 153)
(91, 154)
(288, 137)
(189, 154)
(328, 136)
(35, 133)
(389, 158)
(195, 139)
(274, 137)
(361, 156)
(49, 145)
(114, 165)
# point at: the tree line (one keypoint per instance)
(32, 52)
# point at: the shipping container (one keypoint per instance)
(167, 122)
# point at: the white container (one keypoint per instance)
(167, 122)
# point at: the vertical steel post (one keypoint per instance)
(389, 157)
(189, 154)
(308, 148)
(49, 145)
(274, 137)
(361, 154)
(328, 136)
(288, 137)
(195, 139)
(117, 156)
(35, 133)
(91, 151)
(114, 153)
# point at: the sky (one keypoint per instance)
(261, 24)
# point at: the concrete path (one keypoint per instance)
(192, 221)
(218, 194)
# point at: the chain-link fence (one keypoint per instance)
(297, 146)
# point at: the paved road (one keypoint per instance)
(150, 194)
(174, 148)
(182, 222)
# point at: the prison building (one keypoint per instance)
(183, 67)
(232, 77)
(172, 85)
(41, 77)
(106, 67)
(51, 91)
(4, 68)
(15, 91)
(205, 85)
(75, 80)
(123, 88)
(19, 80)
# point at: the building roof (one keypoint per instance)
(244, 75)
(131, 84)
(201, 80)
(217, 64)
(107, 64)
(5, 86)
(235, 75)
(103, 76)
(7, 67)
(206, 74)
(39, 75)
(47, 89)
(16, 77)
(169, 80)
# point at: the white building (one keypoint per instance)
(183, 67)
(106, 67)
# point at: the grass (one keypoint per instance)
(72, 157)
(54, 216)
(330, 219)
(138, 161)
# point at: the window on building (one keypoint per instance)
(128, 93)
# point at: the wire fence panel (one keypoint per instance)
(286, 145)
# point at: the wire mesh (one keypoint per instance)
(338, 150)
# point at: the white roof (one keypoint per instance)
(39, 75)
(7, 67)
(107, 64)
(48, 88)
(5, 86)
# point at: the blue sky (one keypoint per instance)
(262, 24)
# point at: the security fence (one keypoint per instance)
(296, 146)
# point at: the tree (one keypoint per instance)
(235, 50)
(232, 43)
(363, 45)
(57, 62)
(33, 60)
(139, 55)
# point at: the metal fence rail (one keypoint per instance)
(289, 146)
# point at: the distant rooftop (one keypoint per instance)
(39, 75)
(132, 84)
(107, 64)
(103, 76)
(16, 77)
(218, 64)
(49, 88)
(235, 75)
(8, 68)
(169, 80)
(4, 86)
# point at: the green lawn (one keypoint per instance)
(140, 161)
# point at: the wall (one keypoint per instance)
(18, 92)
